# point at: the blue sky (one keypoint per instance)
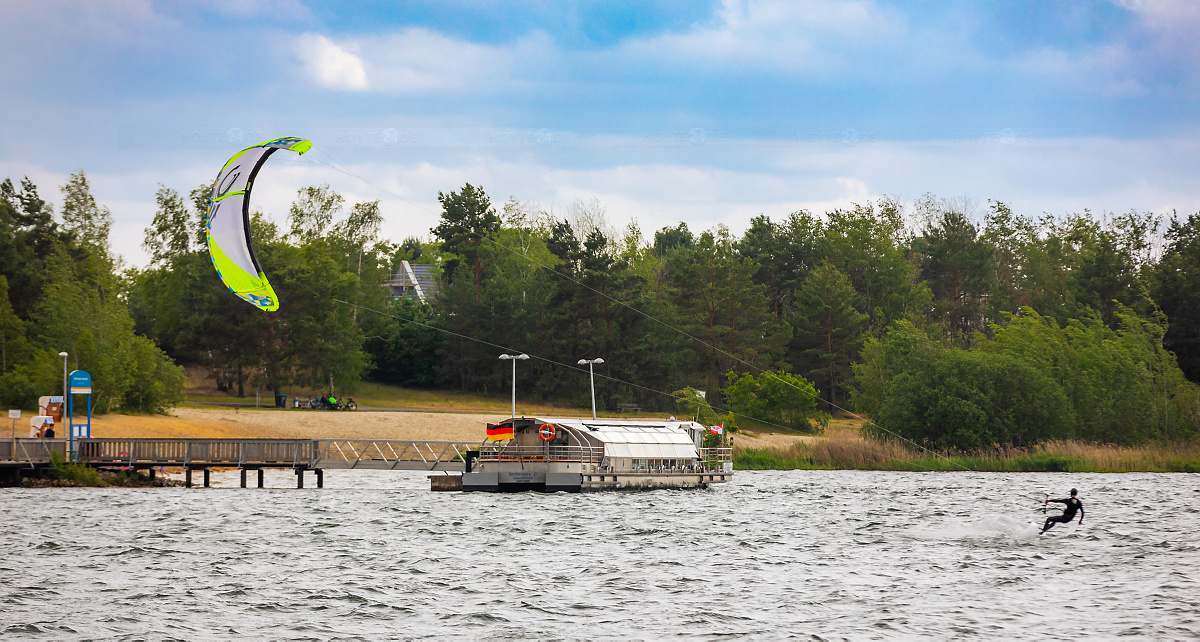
(710, 113)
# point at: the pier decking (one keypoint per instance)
(300, 455)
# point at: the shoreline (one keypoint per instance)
(850, 450)
(842, 447)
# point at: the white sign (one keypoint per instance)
(81, 391)
(14, 414)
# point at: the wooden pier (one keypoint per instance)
(34, 456)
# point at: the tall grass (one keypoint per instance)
(849, 449)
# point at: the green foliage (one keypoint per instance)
(958, 332)
(69, 298)
(776, 398)
(467, 219)
(1032, 382)
(695, 404)
(81, 474)
(313, 211)
(828, 330)
(1176, 289)
(170, 234)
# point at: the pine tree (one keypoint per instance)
(827, 330)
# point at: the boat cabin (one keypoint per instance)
(574, 455)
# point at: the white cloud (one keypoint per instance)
(417, 61)
(331, 65)
(811, 37)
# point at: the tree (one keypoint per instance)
(170, 234)
(868, 244)
(1176, 289)
(670, 238)
(765, 244)
(827, 330)
(313, 211)
(82, 215)
(467, 219)
(955, 263)
(13, 345)
(719, 304)
(778, 398)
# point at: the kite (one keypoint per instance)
(228, 222)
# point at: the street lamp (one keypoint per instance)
(64, 358)
(514, 358)
(592, 375)
(64, 401)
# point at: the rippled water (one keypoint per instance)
(831, 554)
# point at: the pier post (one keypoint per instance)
(320, 478)
(187, 478)
(260, 478)
(206, 478)
(243, 477)
(299, 478)
(152, 472)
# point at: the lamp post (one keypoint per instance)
(64, 358)
(514, 358)
(592, 377)
(64, 401)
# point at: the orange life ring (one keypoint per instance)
(547, 432)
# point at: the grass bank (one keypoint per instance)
(73, 474)
(849, 449)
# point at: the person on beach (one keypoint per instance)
(49, 432)
(1073, 505)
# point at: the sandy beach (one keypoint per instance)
(222, 423)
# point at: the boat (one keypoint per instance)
(581, 455)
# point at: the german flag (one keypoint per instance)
(499, 432)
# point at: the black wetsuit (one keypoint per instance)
(1073, 506)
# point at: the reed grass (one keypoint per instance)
(848, 449)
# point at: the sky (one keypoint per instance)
(709, 113)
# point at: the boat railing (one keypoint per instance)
(717, 459)
(585, 454)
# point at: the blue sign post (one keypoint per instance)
(80, 384)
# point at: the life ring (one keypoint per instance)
(547, 432)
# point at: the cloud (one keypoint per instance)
(331, 65)
(814, 37)
(414, 61)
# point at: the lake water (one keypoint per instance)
(772, 554)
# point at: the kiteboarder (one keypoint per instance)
(1073, 505)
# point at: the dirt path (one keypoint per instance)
(277, 424)
(223, 423)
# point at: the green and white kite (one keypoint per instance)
(229, 222)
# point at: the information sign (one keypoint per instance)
(14, 414)
(81, 383)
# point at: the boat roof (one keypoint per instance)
(649, 439)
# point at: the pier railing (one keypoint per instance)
(32, 451)
(183, 452)
(388, 454)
